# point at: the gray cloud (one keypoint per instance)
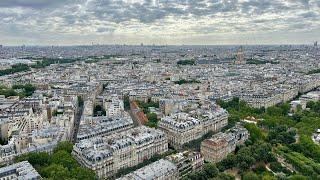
(163, 18)
(30, 3)
(309, 15)
(105, 30)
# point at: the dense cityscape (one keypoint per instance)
(159, 90)
(160, 112)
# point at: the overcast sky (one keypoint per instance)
(69, 22)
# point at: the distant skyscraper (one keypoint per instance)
(240, 56)
(1, 46)
(316, 44)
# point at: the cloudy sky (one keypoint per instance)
(68, 22)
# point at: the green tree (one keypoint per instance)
(80, 101)
(274, 111)
(268, 177)
(227, 163)
(244, 159)
(259, 167)
(36, 159)
(126, 102)
(224, 176)
(255, 132)
(55, 172)
(98, 110)
(250, 176)
(263, 152)
(7, 92)
(15, 69)
(59, 164)
(276, 167)
(307, 147)
(186, 62)
(152, 120)
(82, 173)
(64, 146)
(285, 108)
(63, 158)
(210, 170)
(183, 81)
(310, 104)
(298, 177)
(281, 134)
(29, 89)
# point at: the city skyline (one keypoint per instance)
(141, 112)
(172, 22)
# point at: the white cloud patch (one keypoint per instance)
(158, 21)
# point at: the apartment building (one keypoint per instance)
(186, 162)
(182, 128)
(159, 170)
(221, 144)
(22, 170)
(114, 106)
(103, 126)
(106, 155)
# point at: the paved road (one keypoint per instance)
(135, 121)
(77, 123)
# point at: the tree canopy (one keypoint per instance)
(280, 134)
(26, 90)
(58, 165)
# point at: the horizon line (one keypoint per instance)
(146, 45)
